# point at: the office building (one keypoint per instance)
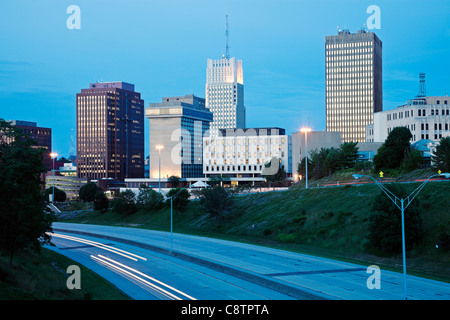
(314, 141)
(225, 93)
(177, 126)
(353, 68)
(110, 131)
(425, 117)
(241, 154)
(43, 137)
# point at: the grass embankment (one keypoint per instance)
(331, 222)
(43, 277)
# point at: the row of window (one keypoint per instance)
(420, 113)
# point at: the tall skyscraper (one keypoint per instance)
(110, 131)
(353, 63)
(225, 91)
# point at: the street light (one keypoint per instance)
(53, 156)
(171, 217)
(159, 148)
(305, 130)
(404, 203)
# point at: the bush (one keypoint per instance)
(181, 198)
(101, 202)
(286, 237)
(125, 203)
(385, 233)
(149, 199)
(60, 195)
(216, 201)
(88, 192)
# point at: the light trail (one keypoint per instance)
(123, 253)
(137, 275)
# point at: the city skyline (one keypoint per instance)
(281, 45)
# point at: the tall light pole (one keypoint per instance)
(53, 156)
(159, 148)
(402, 204)
(305, 130)
(171, 217)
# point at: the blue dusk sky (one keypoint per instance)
(162, 46)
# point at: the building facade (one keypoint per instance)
(242, 153)
(177, 125)
(314, 141)
(225, 93)
(43, 137)
(110, 131)
(425, 117)
(353, 76)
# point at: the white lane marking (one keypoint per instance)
(121, 268)
(123, 253)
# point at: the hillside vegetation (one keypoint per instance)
(331, 221)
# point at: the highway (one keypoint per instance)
(147, 275)
(140, 262)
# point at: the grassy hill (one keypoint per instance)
(331, 222)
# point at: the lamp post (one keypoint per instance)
(305, 130)
(171, 217)
(402, 204)
(53, 156)
(159, 148)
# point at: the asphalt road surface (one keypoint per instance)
(148, 264)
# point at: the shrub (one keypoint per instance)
(385, 233)
(149, 199)
(124, 203)
(101, 202)
(286, 237)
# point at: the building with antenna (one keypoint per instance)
(224, 90)
(427, 117)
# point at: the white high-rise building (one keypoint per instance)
(353, 71)
(225, 93)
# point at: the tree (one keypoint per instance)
(216, 201)
(412, 161)
(394, 150)
(273, 172)
(23, 221)
(348, 154)
(180, 200)
(174, 180)
(317, 169)
(219, 180)
(60, 195)
(385, 233)
(332, 161)
(149, 199)
(88, 191)
(101, 202)
(125, 202)
(441, 156)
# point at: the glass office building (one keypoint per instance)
(110, 131)
(353, 76)
(177, 127)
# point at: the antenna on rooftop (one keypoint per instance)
(227, 48)
(72, 148)
(422, 89)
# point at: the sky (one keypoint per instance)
(162, 47)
